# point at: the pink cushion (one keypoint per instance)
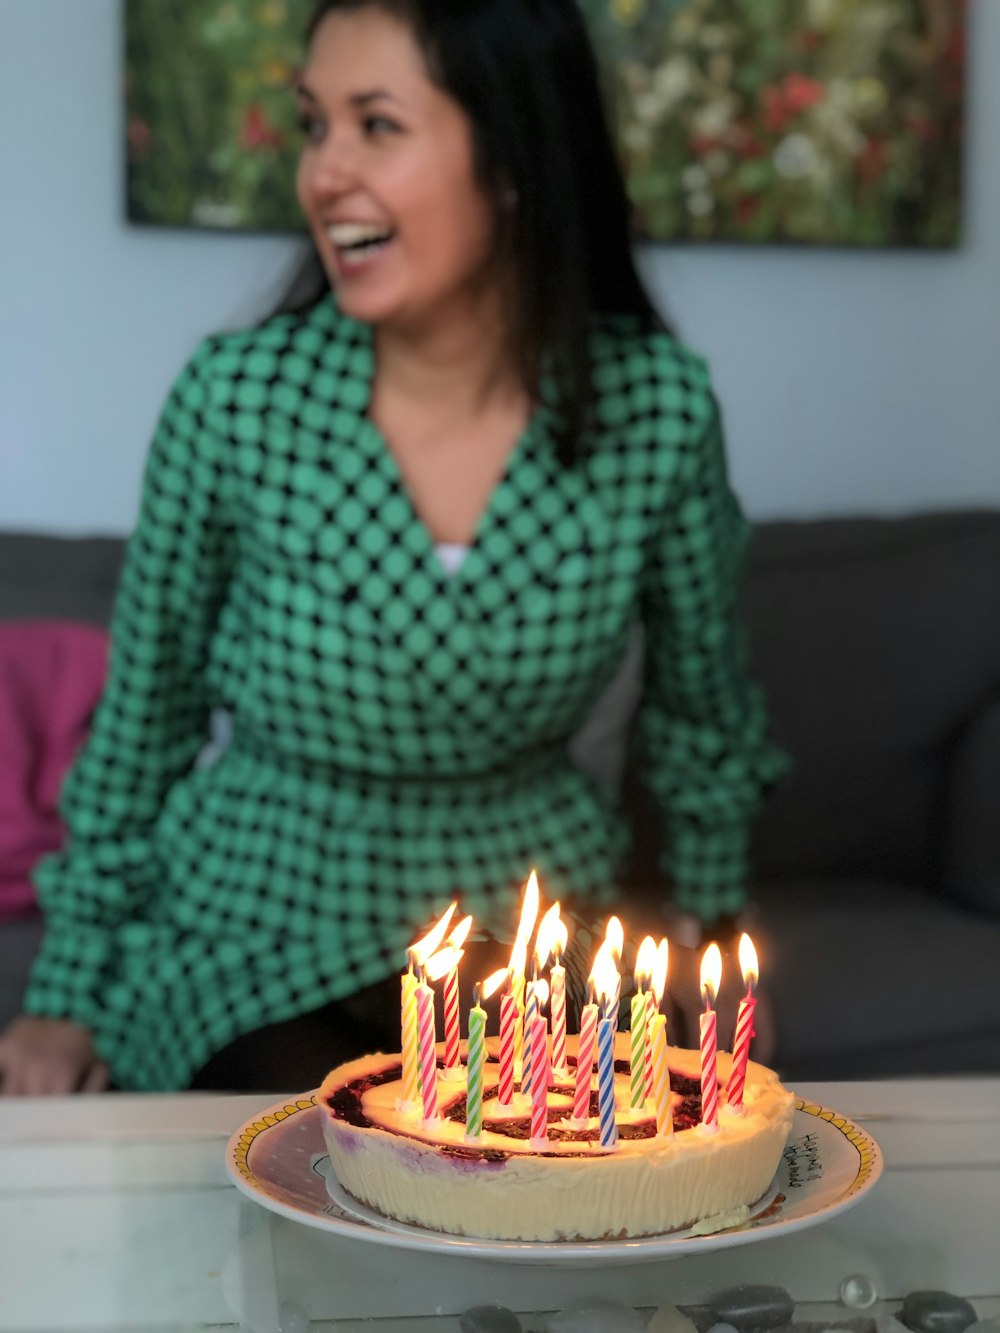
(51, 676)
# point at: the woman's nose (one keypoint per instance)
(334, 165)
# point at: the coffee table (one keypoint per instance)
(116, 1213)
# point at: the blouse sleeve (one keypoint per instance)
(702, 722)
(152, 719)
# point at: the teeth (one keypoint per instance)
(344, 234)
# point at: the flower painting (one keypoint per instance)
(825, 122)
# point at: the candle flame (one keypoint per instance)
(748, 960)
(659, 981)
(604, 974)
(541, 992)
(461, 933)
(493, 982)
(711, 974)
(645, 963)
(423, 949)
(614, 937)
(518, 958)
(552, 935)
(529, 910)
(442, 962)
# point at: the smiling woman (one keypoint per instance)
(475, 366)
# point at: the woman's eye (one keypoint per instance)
(311, 127)
(379, 125)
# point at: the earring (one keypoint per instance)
(510, 199)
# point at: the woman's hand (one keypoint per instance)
(48, 1057)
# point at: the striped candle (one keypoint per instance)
(557, 977)
(536, 1034)
(452, 1023)
(530, 1014)
(517, 986)
(508, 1022)
(637, 1062)
(661, 1074)
(606, 1082)
(651, 1012)
(411, 1055)
(474, 1067)
(428, 1055)
(741, 1050)
(585, 1061)
(709, 1073)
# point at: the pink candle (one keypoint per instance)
(508, 1022)
(452, 1059)
(741, 1050)
(650, 1015)
(709, 1074)
(428, 1055)
(711, 980)
(558, 979)
(539, 1080)
(744, 1023)
(585, 1061)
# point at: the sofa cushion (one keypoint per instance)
(970, 870)
(51, 676)
(875, 640)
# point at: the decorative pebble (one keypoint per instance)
(489, 1319)
(596, 1317)
(723, 1328)
(668, 1319)
(936, 1312)
(293, 1319)
(754, 1307)
(858, 1291)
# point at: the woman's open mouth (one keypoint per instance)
(356, 245)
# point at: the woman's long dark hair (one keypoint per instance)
(524, 73)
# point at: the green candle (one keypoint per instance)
(474, 1067)
(639, 1022)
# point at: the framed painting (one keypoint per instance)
(823, 122)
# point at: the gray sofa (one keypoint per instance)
(877, 859)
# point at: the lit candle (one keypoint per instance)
(411, 1057)
(428, 1055)
(416, 955)
(711, 979)
(585, 1056)
(605, 974)
(530, 1014)
(519, 961)
(639, 1026)
(654, 997)
(552, 939)
(537, 1034)
(614, 938)
(744, 1023)
(508, 1023)
(452, 1017)
(606, 1082)
(474, 1067)
(661, 1074)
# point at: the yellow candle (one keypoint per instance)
(411, 1062)
(661, 1074)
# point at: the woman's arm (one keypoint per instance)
(152, 719)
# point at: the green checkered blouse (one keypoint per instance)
(399, 735)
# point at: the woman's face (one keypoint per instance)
(386, 176)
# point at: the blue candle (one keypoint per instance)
(606, 1082)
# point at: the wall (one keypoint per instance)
(851, 382)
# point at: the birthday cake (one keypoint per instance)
(503, 1184)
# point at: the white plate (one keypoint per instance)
(279, 1160)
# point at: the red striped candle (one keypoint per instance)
(428, 1055)
(741, 1050)
(557, 976)
(452, 1023)
(508, 1021)
(650, 1015)
(585, 1061)
(539, 1081)
(709, 1073)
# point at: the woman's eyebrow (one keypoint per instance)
(356, 99)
